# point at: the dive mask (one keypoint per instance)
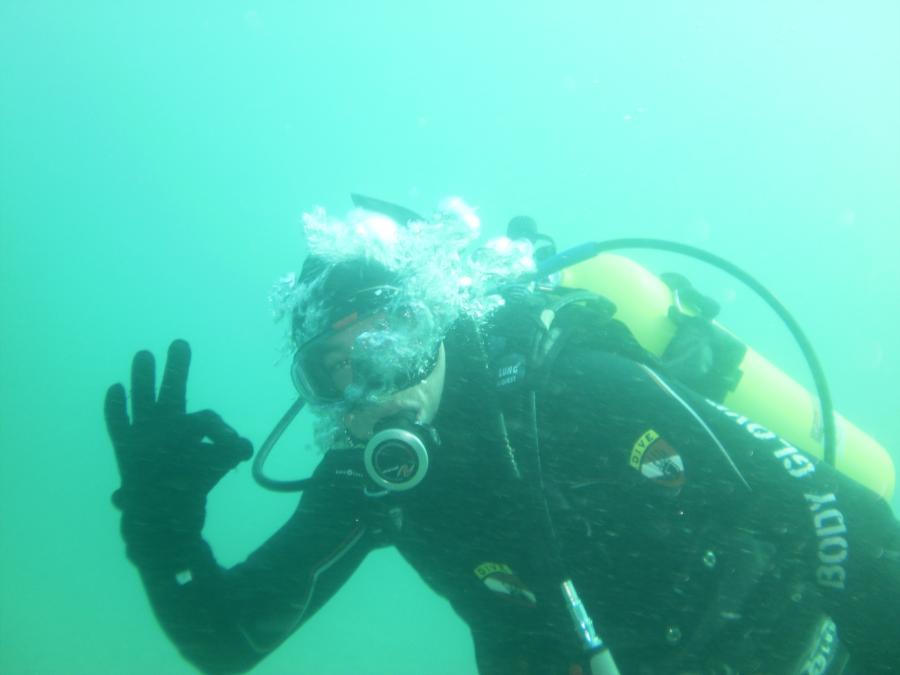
(370, 347)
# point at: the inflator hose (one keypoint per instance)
(589, 250)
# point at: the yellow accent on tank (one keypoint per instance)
(765, 393)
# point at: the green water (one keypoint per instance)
(155, 159)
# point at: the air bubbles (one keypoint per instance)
(438, 260)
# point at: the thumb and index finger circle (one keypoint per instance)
(230, 447)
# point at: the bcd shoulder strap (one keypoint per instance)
(526, 336)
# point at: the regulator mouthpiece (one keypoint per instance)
(396, 457)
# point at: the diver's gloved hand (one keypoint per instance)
(168, 459)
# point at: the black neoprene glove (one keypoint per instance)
(168, 459)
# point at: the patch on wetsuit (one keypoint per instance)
(657, 460)
(499, 578)
(825, 648)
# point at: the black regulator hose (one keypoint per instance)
(588, 250)
(259, 462)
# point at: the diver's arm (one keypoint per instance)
(226, 620)
(844, 534)
(845, 538)
(865, 602)
(169, 460)
(850, 538)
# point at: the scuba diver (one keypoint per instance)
(583, 512)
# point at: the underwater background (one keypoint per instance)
(155, 160)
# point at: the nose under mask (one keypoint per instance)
(419, 403)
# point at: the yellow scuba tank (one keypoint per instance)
(763, 392)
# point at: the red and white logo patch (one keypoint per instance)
(499, 578)
(657, 460)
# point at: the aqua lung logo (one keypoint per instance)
(510, 371)
(827, 518)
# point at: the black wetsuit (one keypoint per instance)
(696, 539)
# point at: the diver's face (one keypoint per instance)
(420, 400)
(336, 350)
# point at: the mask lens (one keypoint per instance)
(369, 357)
(323, 369)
